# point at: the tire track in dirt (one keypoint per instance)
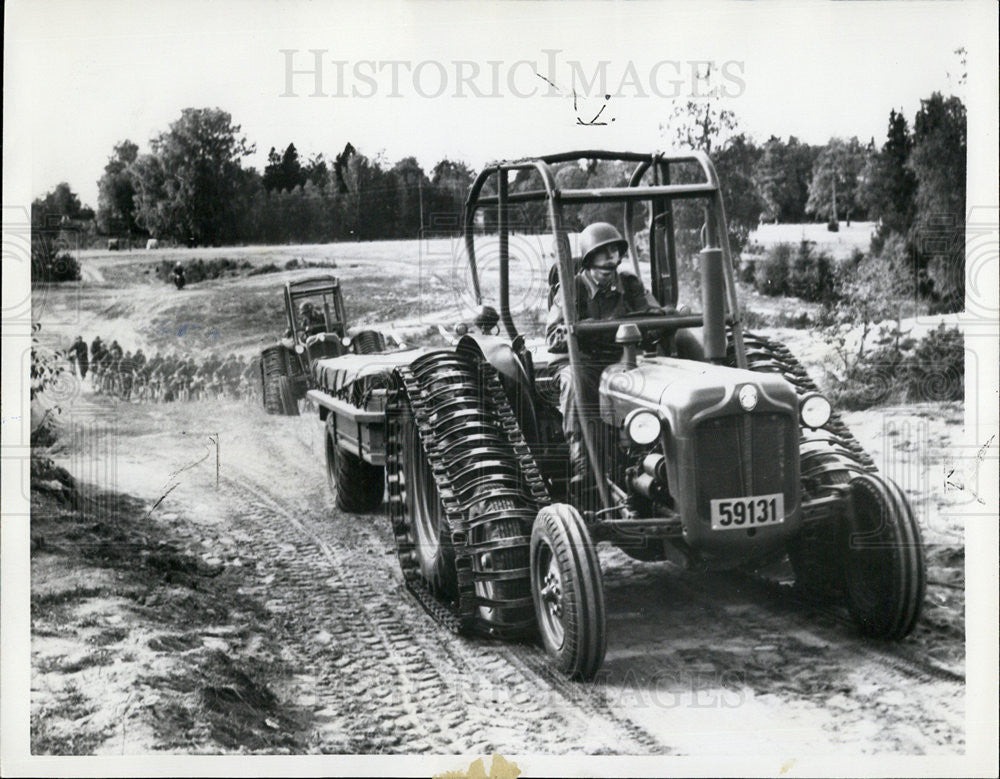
(778, 648)
(784, 601)
(418, 688)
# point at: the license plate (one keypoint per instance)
(753, 511)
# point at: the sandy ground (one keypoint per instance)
(263, 619)
(225, 605)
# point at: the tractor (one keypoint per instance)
(711, 448)
(317, 328)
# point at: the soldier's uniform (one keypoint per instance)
(601, 290)
(125, 376)
(79, 352)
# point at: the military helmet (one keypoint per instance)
(598, 236)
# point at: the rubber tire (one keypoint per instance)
(358, 486)
(437, 564)
(269, 391)
(272, 366)
(559, 531)
(884, 565)
(286, 396)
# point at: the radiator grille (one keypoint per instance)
(740, 455)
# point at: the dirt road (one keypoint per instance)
(696, 664)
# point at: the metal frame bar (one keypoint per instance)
(345, 409)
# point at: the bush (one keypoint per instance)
(812, 275)
(771, 273)
(200, 270)
(936, 369)
(269, 268)
(800, 271)
(903, 369)
(50, 264)
(47, 369)
(746, 267)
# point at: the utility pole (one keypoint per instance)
(420, 191)
(835, 219)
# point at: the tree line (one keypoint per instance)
(192, 187)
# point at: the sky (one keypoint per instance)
(81, 76)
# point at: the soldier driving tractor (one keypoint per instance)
(602, 291)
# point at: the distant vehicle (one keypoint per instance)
(114, 244)
(152, 243)
(721, 452)
(287, 366)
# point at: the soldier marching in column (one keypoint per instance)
(163, 378)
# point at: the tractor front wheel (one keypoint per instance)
(568, 592)
(884, 567)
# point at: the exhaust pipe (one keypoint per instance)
(713, 304)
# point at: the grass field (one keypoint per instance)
(412, 286)
(840, 244)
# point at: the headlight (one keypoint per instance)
(642, 426)
(299, 349)
(815, 410)
(748, 397)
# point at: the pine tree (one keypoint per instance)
(938, 163)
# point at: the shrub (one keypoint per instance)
(936, 369)
(199, 270)
(50, 264)
(269, 268)
(904, 369)
(747, 267)
(771, 273)
(812, 275)
(47, 369)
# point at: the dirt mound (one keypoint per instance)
(140, 643)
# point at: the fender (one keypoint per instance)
(518, 384)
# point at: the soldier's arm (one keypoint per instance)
(555, 325)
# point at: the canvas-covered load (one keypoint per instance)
(334, 375)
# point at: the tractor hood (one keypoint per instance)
(676, 388)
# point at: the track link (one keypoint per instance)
(487, 480)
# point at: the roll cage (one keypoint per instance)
(328, 289)
(659, 196)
